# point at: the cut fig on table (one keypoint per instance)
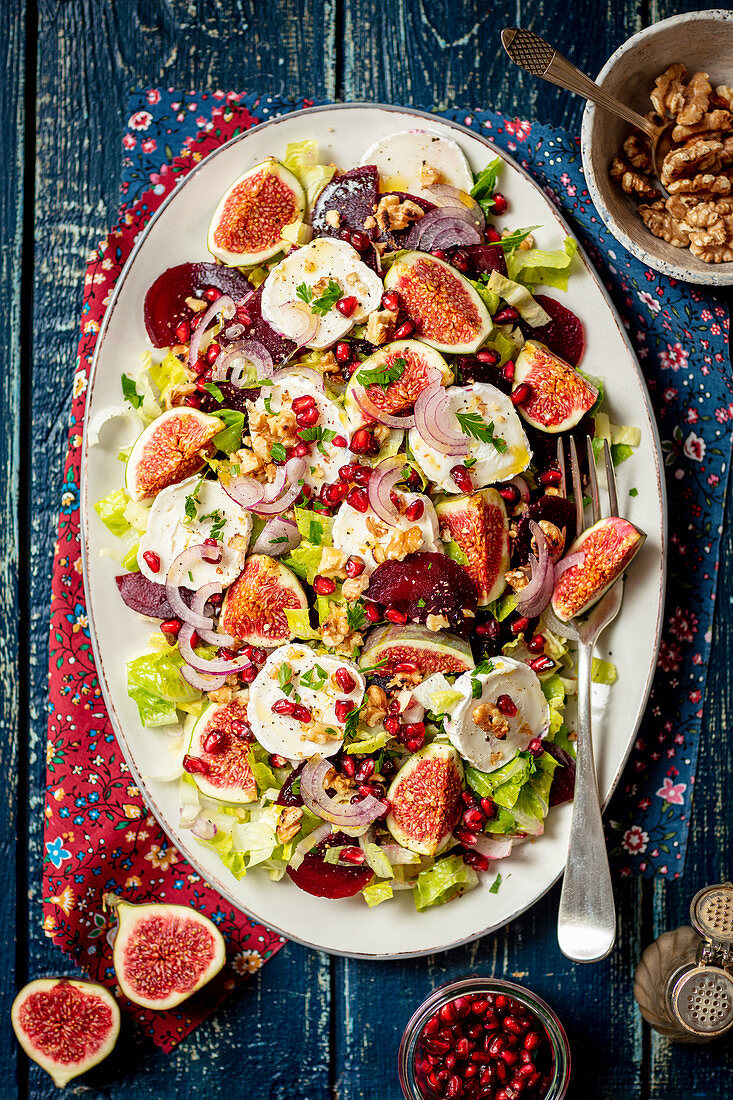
(426, 588)
(479, 527)
(556, 396)
(247, 226)
(165, 303)
(425, 797)
(609, 547)
(425, 651)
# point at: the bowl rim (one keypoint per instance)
(716, 277)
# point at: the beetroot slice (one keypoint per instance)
(397, 238)
(564, 334)
(563, 779)
(234, 398)
(287, 796)
(148, 598)
(328, 880)
(279, 347)
(426, 584)
(485, 258)
(354, 196)
(165, 302)
(557, 510)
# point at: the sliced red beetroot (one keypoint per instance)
(397, 238)
(564, 334)
(278, 346)
(165, 302)
(329, 880)
(287, 796)
(557, 510)
(148, 598)
(485, 258)
(563, 779)
(426, 584)
(354, 197)
(234, 398)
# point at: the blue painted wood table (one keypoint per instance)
(308, 1027)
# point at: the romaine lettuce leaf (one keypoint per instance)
(538, 265)
(519, 297)
(111, 511)
(377, 892)
(155, 683)
(444, 880)
(301, 158)
(305, 560)
(168, 373)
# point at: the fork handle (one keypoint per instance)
(586, 926)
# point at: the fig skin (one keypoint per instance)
(425, 797)
(609, 547)
(169, 450)
(428, 650)
(247, 224)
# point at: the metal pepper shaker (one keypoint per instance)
(684, 980)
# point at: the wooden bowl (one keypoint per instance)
(702, 41)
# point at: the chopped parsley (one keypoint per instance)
(217, 521)
(285, 677)
(305, 293)
(318, 435)
(355, 616)
(351, 725)
(276, 542)
(278, 453)
(328, 299)
(213, 389)
(421, 602)
(314, 678)
(473, 425)
(129, 392)
(633, 492)
(374, 668)
(192, 501)
(267, 402)
(382, 376)
(484, 668)
(494, 888)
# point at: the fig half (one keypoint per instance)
(559, 397)
(420, 365)
(254, 607)
(479, 526)
(425, 797)
(609, 547)
(170, 449)
(248, 222)
(223, 755)
(448, 312)
(429, 651)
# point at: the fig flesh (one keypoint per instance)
(428, 650)
(228, 775)
(163, 953)
(165, 302)
(423, 586)
(479, 526)
(254, 607)
(148, 598)
(349, 199)
(609, 547)
(248, 222)
(420, 365)
(448, 312)
(65, 1026)
(559, 396)
(329, 880)
(170, 449)
(425, 797)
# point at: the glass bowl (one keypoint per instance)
(560, 1049)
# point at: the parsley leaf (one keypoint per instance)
(267, 401)
(328, 299)
(191, 506)
(484, 668)
(633, 492)
(513, 240)
(278, 453)
(355, 616)
(285, 677)
(213, 389)
(129, 392)
(381, 376)
(494, 888)
(472, 424)
(373, 668)
(304, 292)
(476, 688)
(218, 521)
(484, 185)
(318, 435)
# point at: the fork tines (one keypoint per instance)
(577, 484)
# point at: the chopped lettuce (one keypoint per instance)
(137, 515)
(621, 438)
(371, 742)
(519, 297)
(111, 511)
(520, 789)
(264, 777)
(441, 702)
(489, 297)
(538, 265)
(603, 672)
(299, 624)
(377, 892)
(155, 683)
(229, 439)
(554, 692)
(301, 158)
(130, 562)
(378, 860)
(447, 878)
(305, 560)
(315, 527)
(168, 373)
(503, 607)
(502, 343)
(454, 551)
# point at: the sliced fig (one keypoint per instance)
(349, 199)
(559, 397)
(425, 797)
(66, 1026)
(148, 598)
(428, 650)
(564, 335)
(479, 525)
(609, 547)
(397, 238)
(163, 953)
(329, 880)
(170, 449)
(254, 607)
(420, 364)
(165, 302)
(248, 222)
(563, 778)
(556, 510)
(448, 312)
(217, 743)
(424, 586)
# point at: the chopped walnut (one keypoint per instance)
(196, 305)
(428, 176)
(696, 99)
(437, 622)
(637, 153)
(375, 708)
(678, 205)
(223, 694)
(288, 824)
(696, 156)
(337, 781)
(668, 95)
(177, 395)
(268, 429)
(516, 579)
(400, 545)
(381, 433)
(718, 121)
(337, 634)
(333, 218)
(710, 225)
(321, 734)
(375, 528)
(555, 539)
(370, 222)
(247, 461)
(660, 222)
(395, 213)
(489, 718)
(380, 326)
(332, 563)
(724, 93)
(352, 588)
(632, 182)
(704, 182)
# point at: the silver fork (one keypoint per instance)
(586, 924)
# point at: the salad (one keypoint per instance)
(344, 519)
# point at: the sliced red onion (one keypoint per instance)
(217, 666)
(198, 605)
(414, 713)
(246, 491)
(557, 626)
(304, 846)
(291, 474)
(314, 796)
(224, 305)
(385, 476)
(203, 828)
(278, 536)
(179, 568)
(236, 358)
(373, 411)
(447, 195)
(309, 373)
(535, 596)
(568, 562)
(301, 324)
(203, 681)
(493, 847)
(233, 331)
(432, 419)
(450, 232)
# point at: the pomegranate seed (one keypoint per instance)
(171, 626)
(215, 741)
(448, 1013)
(507, 371)
(343, 709)
(275, 760)
(519, 625)
(432, 1027)
(522, 1072)
(391, 301)
(473, 819)
(541, 664)
(193, 402)
(500, 203)
(454, 1087)
(283, 706)
(346, 473)
(302, 713)
(337, 492)
(536, 644)
(488, 806)
(502, 1001)
(354, 567)
(324, 586)
(414, 511)
(346, 306)
(348, 766)
(522, 394)
(481, 1058)
(195, 766)
(493, 234)
(362, 474)
(506, 705)
(510, 495)
(467, 798)
(509, 1058)
(465, 838)
(365, 770)
(308, 418)
(489, 629)
(339, 441)
(392, 725)
(212, 352)
(183, 332)
(372, 612)
(515, 1025)
(361, 442)
(462, 478)
(476, 860)
(479, 1007)
(532, 1040)
(358, 499)
(414, 744)
(502, 1076)
(549, 477)
(360, 241)
(212, 294)
(343, 352)
(416, 729)
(152, 561)
(507, 1093)
(470, 1071)
(394, 616)
(406, 666)
(461, 260)
(496, 1046)
(307, 401)
(201, 385)
(248, 675)
(450, 1061)
(463, 1048)
(530, 1082)
(434, 1083)
(344, 679)
(439, 253)
(507, 315)
(365, 789)
(300, 450)
(536, 747)
(404, 330)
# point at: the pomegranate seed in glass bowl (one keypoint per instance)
(511, 1036)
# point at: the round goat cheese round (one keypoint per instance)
(412, 160)
(359, 533)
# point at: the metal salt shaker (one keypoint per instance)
(684, 981)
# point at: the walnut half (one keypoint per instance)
(661, 223)
(631, 181)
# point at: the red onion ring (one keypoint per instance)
(520, 483)
(303, 324)
(245, 491)
(373, 412)
(203, 828)
(444, 221)
(432, 412)
(535, 596)
(310, 373)
(225, 304)
(304, 846)
(492, 847)
(313, 793)
(247, 351)
(384, 477)
(291, 474)
(198, 604)
(396, 854)
(451, 196)
(268, 541)
(201, 681)
(181, 565)
(233, 331)
(217, 666)
(568, 562)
